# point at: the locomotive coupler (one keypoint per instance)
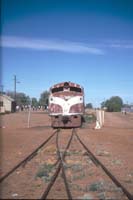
(65, 119)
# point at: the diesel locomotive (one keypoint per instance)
(66, 105)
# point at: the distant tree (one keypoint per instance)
(10, 94)
(21, 98)
(44, 98)
(103, 104)
(89, 105)
(34, 102)
(114, 104)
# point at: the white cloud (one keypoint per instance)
(123, 44)
(48, 45)
(114, 44)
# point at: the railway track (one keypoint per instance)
(28, 158)
(98, 163)
(60, 165)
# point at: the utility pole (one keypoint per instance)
(15, 82)
(15, 87)
(2, 89)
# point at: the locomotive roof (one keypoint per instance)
(71, 84)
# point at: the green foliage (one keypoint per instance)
(44, 98)
(89, 105)
(114, 104)
(89, 118)
(97, 186)
(34, 102)
(45, 172)
(21, 98)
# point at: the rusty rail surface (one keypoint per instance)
(63, 170)
(28, 158)
(60, 162)
(98, 163)
(60, 166)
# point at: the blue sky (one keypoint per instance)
(89, 42)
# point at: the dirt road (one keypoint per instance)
(113, 144)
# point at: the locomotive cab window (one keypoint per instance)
(59, 89)
(75, 89)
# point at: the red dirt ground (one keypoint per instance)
(112, 144)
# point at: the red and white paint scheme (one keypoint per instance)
(66, 105)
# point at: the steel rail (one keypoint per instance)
(54, 177)
(62, 167)
(28, 158)
(98, 163)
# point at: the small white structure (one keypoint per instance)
(100, 119)
(97, 125)
(6, 103)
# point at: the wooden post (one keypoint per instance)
(29, 115)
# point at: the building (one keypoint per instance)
(7, 104)
(128, 109)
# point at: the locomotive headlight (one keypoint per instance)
(81, 98)
(51, 99)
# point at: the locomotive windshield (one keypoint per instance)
(75, 89)
(60, 89)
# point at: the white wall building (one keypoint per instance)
(6, 103)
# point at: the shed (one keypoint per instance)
(127, 109)
(7, 104)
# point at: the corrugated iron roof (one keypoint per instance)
(7, 97)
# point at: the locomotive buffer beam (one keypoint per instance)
(65, 119)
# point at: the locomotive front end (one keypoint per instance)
(66, 105)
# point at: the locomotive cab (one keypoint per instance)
(66, 105)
